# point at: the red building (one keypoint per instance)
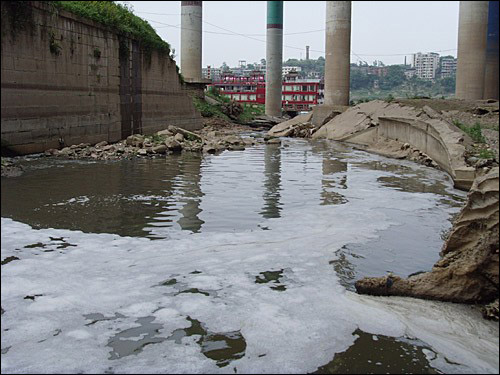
(298, 94)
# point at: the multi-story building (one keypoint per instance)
(211, 73)
(298, 94)
(287, 69)
(448, 66)
(426, 65)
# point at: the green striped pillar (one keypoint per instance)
(275, 14)
(274, 57)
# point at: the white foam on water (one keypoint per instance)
(291, 331)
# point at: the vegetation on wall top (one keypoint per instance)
(120, 18)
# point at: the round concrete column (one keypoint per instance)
(274, 57)
(191, 36)
(472, 32)
(338, 53)
(491, 70)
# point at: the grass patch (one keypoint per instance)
(486, 154)
(473, 131)
(118, 17)
(208, 110)
(250, 111)
(214, 110)
(215, 93)
(156, 139)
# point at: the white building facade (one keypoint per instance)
(288, 69)
(448, 66)
(426, 65)
(211, 73)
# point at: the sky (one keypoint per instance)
(381, 30)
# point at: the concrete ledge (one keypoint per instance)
(323, 113)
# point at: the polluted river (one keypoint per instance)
(242, 262)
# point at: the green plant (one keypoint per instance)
(97, 53)
(54, 46)
(215, 93)
(156, 138)
(473, 131)
(486, 154)
(208, 110)
(120, 18)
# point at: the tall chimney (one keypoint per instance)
(307, 52)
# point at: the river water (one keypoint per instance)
(242, 262)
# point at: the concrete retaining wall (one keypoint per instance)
(427, 137)
(64, 80)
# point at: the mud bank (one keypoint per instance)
(468, 269)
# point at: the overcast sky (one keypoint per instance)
(381, 30)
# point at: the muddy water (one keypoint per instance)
(233, 192)
(205, 221)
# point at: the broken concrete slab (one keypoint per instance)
(323, 114)
(283, 129)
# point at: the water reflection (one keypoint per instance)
(272, 182)
(333, 179)
(377, 354)
(124, 197)
(191, 195)
(158, 198)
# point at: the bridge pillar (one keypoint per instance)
(338, 53)
(274, 58)
(472, 36)
(491, 71)
(191, 40)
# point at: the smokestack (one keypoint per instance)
(307, 52)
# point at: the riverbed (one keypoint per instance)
(242, 262)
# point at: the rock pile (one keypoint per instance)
(232, 109)
(9, 169)
(167, 141)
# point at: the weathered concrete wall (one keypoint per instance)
(63, 79)
(428, 137)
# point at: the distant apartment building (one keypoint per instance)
(287, 69)
(448, 66)
(426, 65)
(211, 73)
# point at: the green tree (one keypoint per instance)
(361, 80)
(395, 77)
